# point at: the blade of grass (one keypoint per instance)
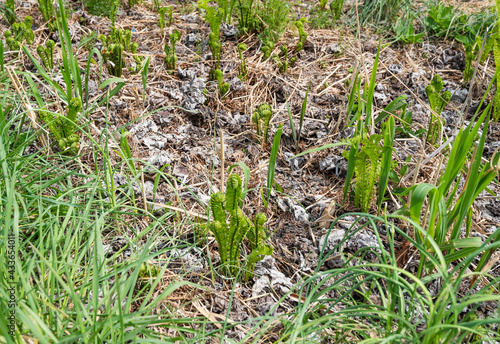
(272, 161)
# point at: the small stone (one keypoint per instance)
(229, 30)
(191, 39)
(186, 74)
(396, 68)
(460, 96)
(334, 49)
(294, 163)
(236, 84)
(335, 163)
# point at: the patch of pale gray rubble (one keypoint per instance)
(298, 212)
(270, 276)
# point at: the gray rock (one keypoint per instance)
(396, 68)
(332, 240)
(294, 163)
(141, 129)
(229, 30)
(155, 141)
(460, 96)
(191, 39)
(193, 93)
(159, 160)
(362, 239)
(190, 18)
(334, 49)
(236, 84)
(335, 163)
(186, 74)
(298, 212)
(270, 277)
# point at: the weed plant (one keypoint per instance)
(105, 8)
(64, 127)
(223, 85)
(302, 33)
(268, 19)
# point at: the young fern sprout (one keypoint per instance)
(47, 54)
(20, 32)
(367, 168)
(113, 56)
(267, 49)
(437, 101)
(64, 128)
(229, 237)
(11, 41)
(161, 20)
(302, 33)
(113, 47)
(257, 235)
(243, 68)
(138, 59)
(262, 113)
(47, 11)
(283, 65)
(10, 13)
(170, 16)
(170, 57)
(322, 4)
(223, 86)
(214, 17)
(336, 8)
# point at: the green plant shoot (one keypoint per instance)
(47, 54)
(243, 68)
(170, 57)
(302, 33)
(161, 20)
(229, 237)
(437, 102)
(64, 127)
(336, 8)
(262, 113)
(223, 86)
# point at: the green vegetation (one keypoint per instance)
(302, 33)
(105, 8)
(9, 11)
(243, 68)
(99, 228)
(47, 11)
(229, 237)
(223, 86)
(20, 32)
(64, 127)
(214, 17)
(261, 118)
(170, 57)
(164, 11)
(437, 102)
(47, 53)
(282, 60)
(113, 47)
